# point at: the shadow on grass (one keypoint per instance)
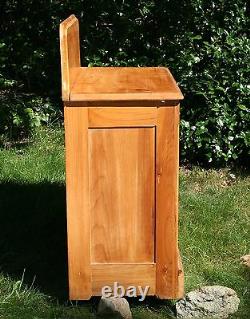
(33, 235)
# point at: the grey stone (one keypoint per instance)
(208, 302)
(245, 260)
(114, 308)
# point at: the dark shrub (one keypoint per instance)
(204, 43)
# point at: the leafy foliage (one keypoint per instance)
(21, 113)
(215, 73)
(204, 43)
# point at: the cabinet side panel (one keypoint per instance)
(121, 177)
(167, 167)
(78, 217)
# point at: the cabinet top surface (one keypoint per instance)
(123, 84)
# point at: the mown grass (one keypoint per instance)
(214, 230)
(214, 233)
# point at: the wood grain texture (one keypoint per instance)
(180, 289)
(121, 179)
(123, 103)
(167, 166)
(78, 216)
(122, 117)
(125, 274)
(124, 83)
(70, 53)
(109, 84)
(122, 209)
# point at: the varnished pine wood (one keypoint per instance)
(78, 216)
(121, 104)
(70, 53)
(125, 274)
(122, 117)
(111, 178)
(95, 84)
(167, 203)
(180, 287)
(124, 84)
(121, 179)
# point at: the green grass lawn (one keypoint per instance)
(214, 233)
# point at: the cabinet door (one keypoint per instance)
(122, 194)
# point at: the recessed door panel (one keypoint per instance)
(122, 194)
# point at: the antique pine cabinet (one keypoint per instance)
(121, 137)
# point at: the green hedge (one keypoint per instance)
(204, 43)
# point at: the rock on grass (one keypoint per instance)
(114, 308)
(208, 302)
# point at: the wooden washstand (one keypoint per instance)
(122, 148)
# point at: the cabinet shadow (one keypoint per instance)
(33, 237)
